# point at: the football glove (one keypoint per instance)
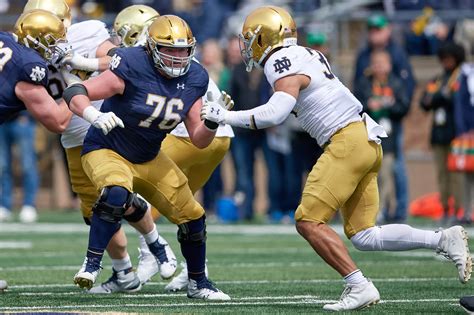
(76, 61)
(227, 101)
(215, 110)
(103, 121)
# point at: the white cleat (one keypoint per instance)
(121, 281)
(355, 297)
(5, 214)
(87, 275)
(180, 282)
(168, 267)
(454, 246)
(205, 290)
(147, 265)
(28, 214)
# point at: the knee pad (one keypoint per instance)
(112, 203)
(193, 232)
(368, 239)
(141, 207)
(87, 221)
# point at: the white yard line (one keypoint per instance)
(231, 282)
(264, 229)
(230, 265)
(15, 245)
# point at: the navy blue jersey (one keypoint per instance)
(150, 107)
(17, 63)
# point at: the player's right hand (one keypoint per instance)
(226, 100)
(107, 121)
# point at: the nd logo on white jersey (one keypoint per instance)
(37, 73)
(115, 61)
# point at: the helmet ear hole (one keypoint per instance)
(134, 35)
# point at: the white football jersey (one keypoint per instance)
(82, 38)
(222, 130)
(326, 105)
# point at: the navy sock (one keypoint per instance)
(195, 252)
(100, 234)
(101, 231)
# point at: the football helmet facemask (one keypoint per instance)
(264, 30)
(132, 22)
(42, 31)
(171, 31)
(58, 7)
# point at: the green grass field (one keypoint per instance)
(265, 269)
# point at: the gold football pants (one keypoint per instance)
(345, 178)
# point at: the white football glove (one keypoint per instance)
(216, 110)
(227, 101)
(76, 61)
(104, 121)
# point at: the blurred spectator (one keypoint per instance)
(19, 131)
(246, 89)
(464, 34)
(439, 98)
(379, 37)
(232, 58)
(384, 99)
(436, 4)
(205, 17)
(319, 42)
(427, 33)
(464, 117)
(97, 8)
(213, 60)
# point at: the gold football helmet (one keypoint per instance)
(58, 7)
(171, 31)
(41, 30)
(265, 29)
(132, 22)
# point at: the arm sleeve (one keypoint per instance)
(272, 113)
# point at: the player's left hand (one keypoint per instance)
(213, 110)
(76, 61)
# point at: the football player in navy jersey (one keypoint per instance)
(149, 90)
(24, 72)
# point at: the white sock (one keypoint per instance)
(355, 277)
(404, 237)
(121, 264)
(143, 244)
(395, 237)
(152, 236)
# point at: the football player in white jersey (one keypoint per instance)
(197, 164)
(345, 176)
(89, 43)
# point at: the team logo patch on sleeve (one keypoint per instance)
(115, 62)
(37, 74)
(282, 65)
